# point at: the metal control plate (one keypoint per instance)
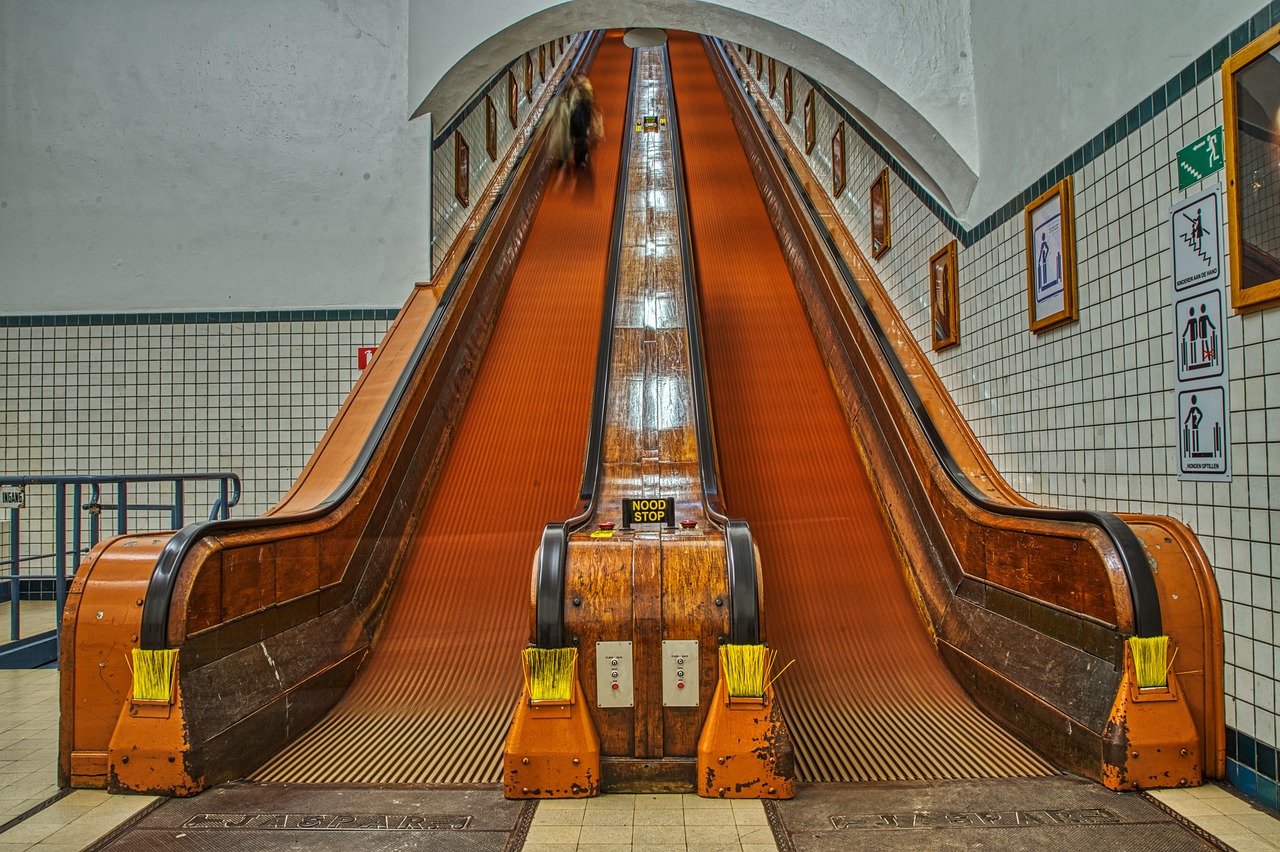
(680, 673)
(614, 675)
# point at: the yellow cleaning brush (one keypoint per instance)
(746, 669)
(548, 672)
(1150, 660)
(153, 674)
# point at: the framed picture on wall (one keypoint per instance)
(513, 99)
(528, 77)
(786, 96)
(837, 162)
(1250, 96)
(461, 170)
(1051, 258)
(944, 308)
(542, 63)
(759, 65)
(773, 77)
(881, 237)
(490, 128)
(810, 124)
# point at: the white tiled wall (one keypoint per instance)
(1083, 415)
(120, 397)
(448, 214)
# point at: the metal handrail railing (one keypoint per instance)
(79, 501)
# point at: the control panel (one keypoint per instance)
(614, 675)
(680, 673)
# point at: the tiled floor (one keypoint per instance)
(29, 753)
(33, 617)
(1226, 816)
(652, 823)
(29, 773)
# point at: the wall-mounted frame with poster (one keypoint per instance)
(513, 99)
(461, 170)
(542, 63)
(837, 162)
(490, 128)
(773, 77)
(528, 77)
(787, 101)
(944, 297)
(881, 236)
(1051, 258)
(1251, 131)
(810, 124)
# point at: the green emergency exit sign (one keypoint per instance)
(1200, 159)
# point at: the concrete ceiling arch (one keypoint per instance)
(904, 74)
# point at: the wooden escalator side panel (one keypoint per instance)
(1178, 560)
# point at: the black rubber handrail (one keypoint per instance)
(549, 583)
(1129, 550)
(153, 632)
(744, 592)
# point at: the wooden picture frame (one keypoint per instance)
(773, 77)
(513, 99)
(881, 233)
(1051, 258)
(542, 63)
(461, 170)
(759, 65)
(837, 162)
(787, 100)
(944, 297)
(810, 124)
(528, 77)
(491, 128)
(1251, 134)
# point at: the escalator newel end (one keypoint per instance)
(744, 751)
(1150, 740)
(552, 750)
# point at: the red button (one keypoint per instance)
(615, 686)
(679, 684)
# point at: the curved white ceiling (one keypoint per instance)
(980, 97)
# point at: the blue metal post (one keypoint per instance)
(60, 555)
(15, 587)
(122, 507)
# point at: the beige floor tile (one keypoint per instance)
(760, 847)
(553, 834)
(546, 847)
(709, 816)
(615, 834)
(608, 816)
(644, 836)
(558, 817)
(654, 816)
(1262, 824)
(663, 802)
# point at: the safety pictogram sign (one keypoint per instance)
(1199, 328)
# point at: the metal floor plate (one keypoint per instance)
(268, 817)
(1040, 814)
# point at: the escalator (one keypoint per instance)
(907, 580)
(868, 697)
(433, 701)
